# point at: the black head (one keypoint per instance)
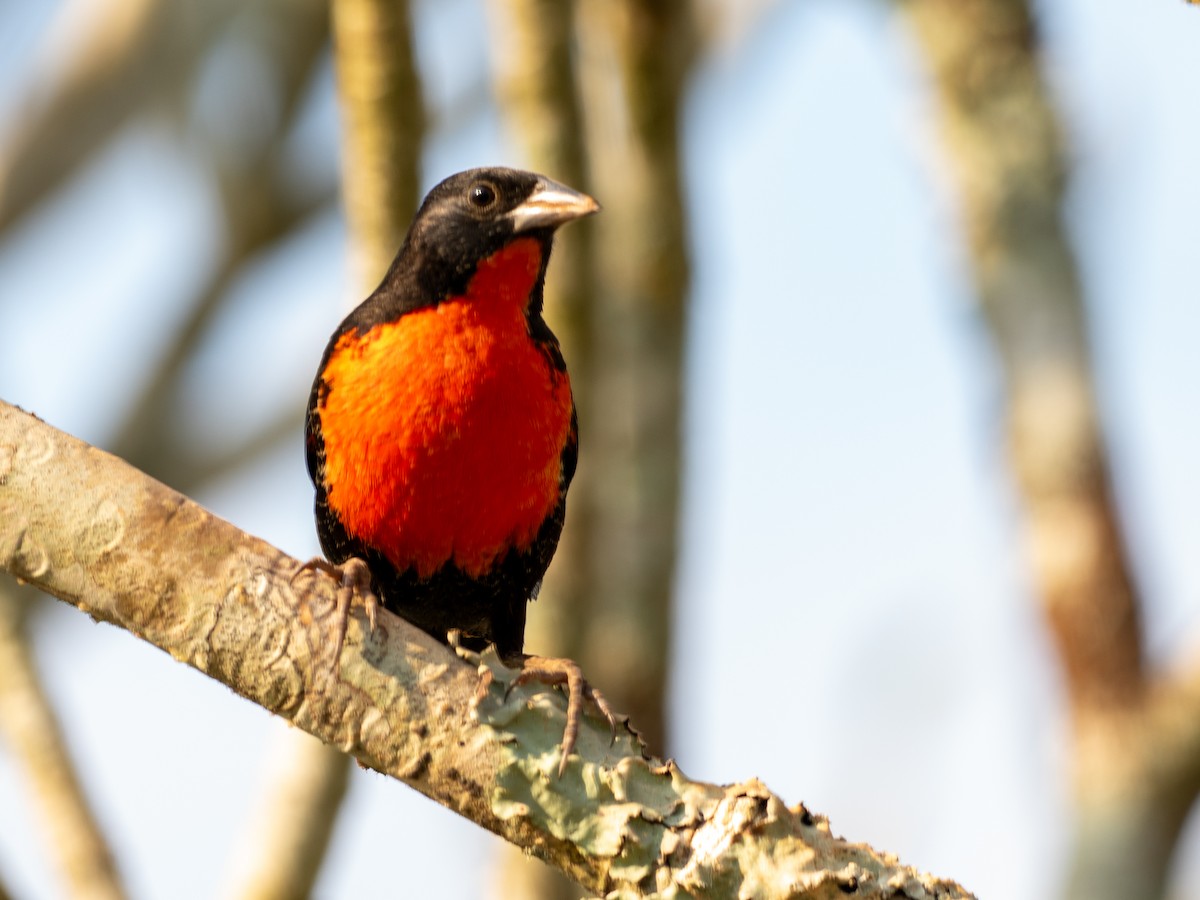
(471, 215)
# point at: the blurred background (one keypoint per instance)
(888, 391)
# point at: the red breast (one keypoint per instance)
(444, 429)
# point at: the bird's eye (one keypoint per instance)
(482, 195)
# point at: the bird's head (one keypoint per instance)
(470, 216)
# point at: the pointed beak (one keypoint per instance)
(551, 204)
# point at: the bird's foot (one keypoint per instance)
(354, 583)
(454, 640)
(551, 671)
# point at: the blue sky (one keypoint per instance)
(855, 624)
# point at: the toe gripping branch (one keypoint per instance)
(551, 671)
(354, 583)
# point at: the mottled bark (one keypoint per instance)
(1133, 781)
(86, 527)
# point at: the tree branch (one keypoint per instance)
(97, 533)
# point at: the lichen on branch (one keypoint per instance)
(101, 535)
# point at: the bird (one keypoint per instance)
(441, 434)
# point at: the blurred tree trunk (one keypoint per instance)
(286, 838)
(607, 598)
(72, 836)
(640, 325)
(1133, 784)
(383, 127)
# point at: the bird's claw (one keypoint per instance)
(551, 671)
(354, 582)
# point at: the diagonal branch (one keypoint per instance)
(137, 50)
(101, 535)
